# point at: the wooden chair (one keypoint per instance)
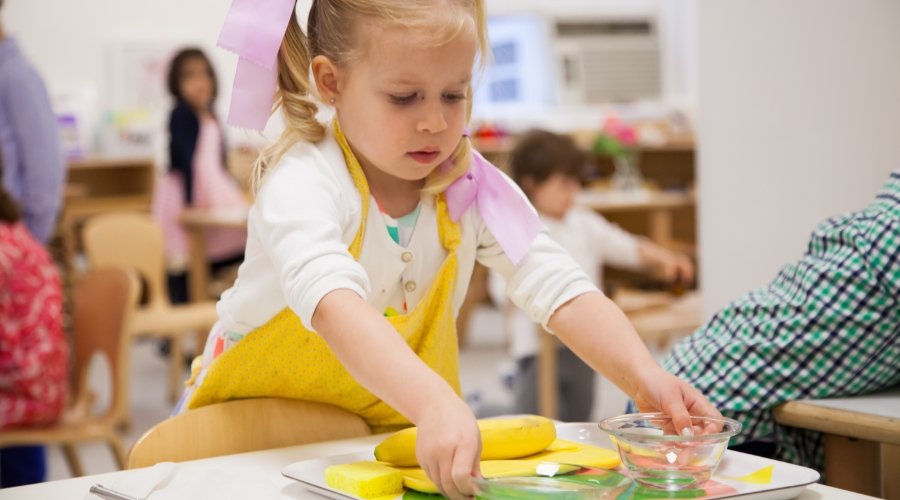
(135, 240)
(104, 300)
(243, 425)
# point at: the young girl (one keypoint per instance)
(326, 285)
(197, 175)
(34, 355)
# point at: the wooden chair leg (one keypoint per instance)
(117, 449)
(72, 460)
(124, 425)
(548, 381)
(176, 371)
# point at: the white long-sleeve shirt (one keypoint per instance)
(592, 241)
(305, 217)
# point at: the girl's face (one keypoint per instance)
(402, 105)
(196, 85)
(555, 196)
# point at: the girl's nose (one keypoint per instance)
(432, 121)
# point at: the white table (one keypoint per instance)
(270, 463)
(885, 405)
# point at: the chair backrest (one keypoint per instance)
(130, 240)
(104, 299)
(243, 425)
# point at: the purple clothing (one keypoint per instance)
(33, 165)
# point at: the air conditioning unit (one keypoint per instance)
(541, 61)
(607, 60)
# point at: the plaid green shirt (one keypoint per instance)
(827, 326)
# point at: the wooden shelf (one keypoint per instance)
(606, 201)
(97, 185)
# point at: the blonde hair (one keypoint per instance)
(333, 26)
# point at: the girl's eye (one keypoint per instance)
(403, 99)
(454, 97)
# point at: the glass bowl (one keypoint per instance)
(585, 433)
(658, 456)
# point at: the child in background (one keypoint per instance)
(330, 303)
(34, 171)
(34, 355)
(197, 176)
(549, 169)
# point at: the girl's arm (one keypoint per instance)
(599, 333)
(184, 130)
(449, 444)
(620, 248)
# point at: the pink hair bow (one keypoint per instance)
(254, 30)
(511, 219)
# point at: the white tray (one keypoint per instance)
(788, 480)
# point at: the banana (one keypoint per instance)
(570, 452)
(501, 438)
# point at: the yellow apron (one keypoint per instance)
(284, 359)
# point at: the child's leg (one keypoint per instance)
(525, 385)
(576, 387)
(178, 287)
(22, 465)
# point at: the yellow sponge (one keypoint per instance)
(364, 479)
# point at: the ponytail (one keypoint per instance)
(294, 97)
(479, 12)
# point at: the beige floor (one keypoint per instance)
(482, 365)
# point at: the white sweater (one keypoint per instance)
(306, 215)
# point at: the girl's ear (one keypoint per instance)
(325, 74)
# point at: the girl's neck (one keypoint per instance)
(202, 113)
(397, 197)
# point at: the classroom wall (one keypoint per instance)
(69, 41)
(73, 47)
(72, 44)
(799, 119)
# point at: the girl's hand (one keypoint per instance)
(671, 267)
(660, 391)
(676, 268)
(448, 447)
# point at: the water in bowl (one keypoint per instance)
(658, 458)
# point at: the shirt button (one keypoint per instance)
(410, 286)
(407, 256)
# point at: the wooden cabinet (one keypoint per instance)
(98, 185)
